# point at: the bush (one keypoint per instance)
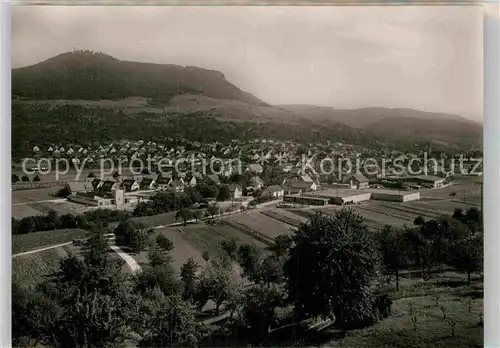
(132, 235)
(164, 243)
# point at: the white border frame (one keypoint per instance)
(491, 190)
(5, 203)
(491, 146)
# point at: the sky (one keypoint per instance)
(426, 58)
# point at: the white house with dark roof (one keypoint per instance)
(275, 191)
(357, 181)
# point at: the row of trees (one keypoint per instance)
(455, 241)
(54, 221)
(15, 178)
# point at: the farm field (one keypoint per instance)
(293, 221)
(261, 224)
(156, 220)
(291, 215)
(372, 219)
(24, 210)
(34, 195)
(183, 249)
(29, 270)
(31, 241)
(463, 187)
(208, 237)
(439, 207)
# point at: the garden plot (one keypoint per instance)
(262, 224)
(405, 209)
(442, 207)
(371, 218)
(207, 238)
(292, 221)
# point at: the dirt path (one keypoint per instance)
(132, 264)
(41, 249)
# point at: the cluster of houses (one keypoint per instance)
(283, 154)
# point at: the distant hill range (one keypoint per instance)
(96, 79)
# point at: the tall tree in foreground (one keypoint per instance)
(393, 251)
(258, 309)
(217, 282)
(249, 259)
(331, 269)
(188, 277)
(466, 255)
(172, 323)
(132, 235)
(92, 298)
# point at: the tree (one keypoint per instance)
(217, 281)
(393, 251)
(91, 175)
(419, 220)
(282, 245)
(32, 316)
(132, 235)
(164, 243)
(224, 193)
(472, 215)
(25, 178)
(193, 194)
(467, 255)
(36, 178)
(172, 323)
(207, 190)
(453, 194)
(213, 209)
(331, 269)
(64, 192)
(271, 270)
(14, 178)
(91, 320)
(249, 258)
(197, 214)
(206, 256)
(26, 225)
(90, 305)
(188, 277)
(258, 310)
(116, 175)
(458, 214)
(162, 277)
(157, 257)
(230, 248)
(183, 214)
